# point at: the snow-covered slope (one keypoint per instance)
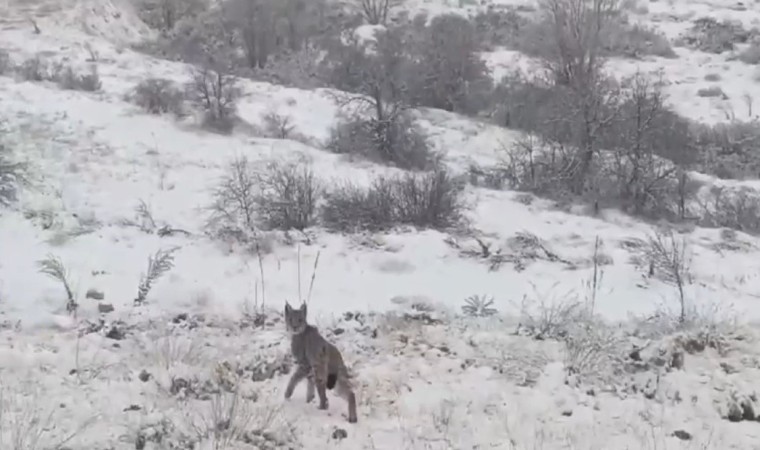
(426, 378)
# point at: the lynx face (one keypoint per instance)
(295, 319)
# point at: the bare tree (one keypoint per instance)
(164, 14)
(375, 12)
(255, 22)
(452, 75)
(638, 170)
(216, 93)
(669, 260)
(574, 61)
(376, 79)
(267, 28)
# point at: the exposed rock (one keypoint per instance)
(339, 434)
(116, 332)
(95, 294)
(105, 308)
(682, 435)
(735, 413)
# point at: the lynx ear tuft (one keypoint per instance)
(288, 308)
(303, 307)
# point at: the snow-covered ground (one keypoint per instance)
(427, 378)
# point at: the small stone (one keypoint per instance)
(567, 412)
(95, 294)
(338, 331)
(339, 434)
(144, 376)
(729, 369)
(133, 408)
(105, 308)
(682, 435)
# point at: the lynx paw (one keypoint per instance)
(323, 405)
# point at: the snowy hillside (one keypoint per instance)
(607, 329)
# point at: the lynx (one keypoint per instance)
(318, 360)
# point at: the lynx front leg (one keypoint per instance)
(320, 379)
(300, 373)
(310, 388)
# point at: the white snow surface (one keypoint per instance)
(446, 383)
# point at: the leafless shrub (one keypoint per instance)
(35, 69)
(158, 265)
(5, 62)
(397, 140)
(158, 96)
(494, 177)
(737, 209)
(635, 41)
(145, 217)
(286, 196)
(168, 348)
(12, 175)
(234, 199)
(216, 94)
(751, 54)
(728, 150)
(709, 35)
(546, 316)
(375, 12)
(25, 426)
(351, 208)
(53, 267)
(429, 200)
(669, 260)
(230, 419)
(67, 78)
(277, 125)
(593, 352)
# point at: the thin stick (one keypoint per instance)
(261, 271)
(300, 299)
(313, 276)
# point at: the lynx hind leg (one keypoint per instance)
(344, 390)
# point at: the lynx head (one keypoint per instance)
(295, 319)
